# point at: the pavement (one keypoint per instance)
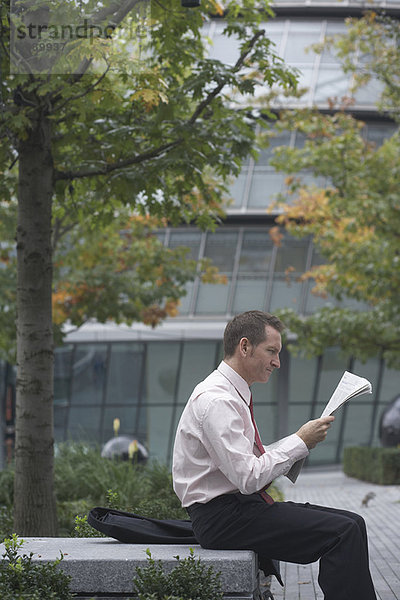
(381, 513)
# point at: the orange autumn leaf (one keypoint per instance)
(276, 236)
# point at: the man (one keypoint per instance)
(221, 470)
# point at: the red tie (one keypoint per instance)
(257, 440)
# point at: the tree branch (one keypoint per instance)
(86, 91)
(59, 230)
(109, 168)
(239, 63)
(149, 154)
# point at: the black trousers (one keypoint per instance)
(291, 532)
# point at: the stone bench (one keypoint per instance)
(104, 568)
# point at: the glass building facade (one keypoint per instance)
(146, 383)
(144, 376)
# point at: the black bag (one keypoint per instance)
(135, 529)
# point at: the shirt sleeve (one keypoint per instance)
(229, 439)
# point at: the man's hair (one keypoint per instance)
(251, 325)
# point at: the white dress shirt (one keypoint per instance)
(214, 451)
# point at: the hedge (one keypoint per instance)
(375, 465)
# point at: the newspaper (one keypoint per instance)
(348, 387)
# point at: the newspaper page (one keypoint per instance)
(349, 386)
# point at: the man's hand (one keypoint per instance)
(315, 431)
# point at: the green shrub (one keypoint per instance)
(82, 529)
(6, 522)
(189, 580)
(7, 486)
(376, 465)
(81, 472)
(83, 479)
(68, 511)
(22, 579)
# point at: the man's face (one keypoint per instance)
(262, 359)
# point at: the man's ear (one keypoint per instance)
(244, 347)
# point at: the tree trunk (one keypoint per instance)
(34, 500)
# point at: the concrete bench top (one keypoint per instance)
(103, 566)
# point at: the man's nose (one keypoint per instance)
(276, 363)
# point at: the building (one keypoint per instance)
(145, 376)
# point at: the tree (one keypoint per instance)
(91, 131)
(355, 219)
(370, 50)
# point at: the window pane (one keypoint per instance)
(314, 302)
(390, 385)
(89, 373)
(160, 235)
(189, 239)
(302, 377)
(329, 54)
(300, 139)
(256, 252)
(250, 293)
(274, 30)
(62, 374)
(161, 372)
(224, 48)
(213, 298)
(331, 83)
(291, 255)
(123, 382)
(305, 76)
(141, 425)
(198, 361)
(358, 423)
(301, 35)
(278, 138)
(185, 301)
(369, 93)
(285, 295)
(378, 132)
(265, 184)
(158, 433)
(220, 248)
(236, 190)
(84, 423)
(307, 178)
(60, 423)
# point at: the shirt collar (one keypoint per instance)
(236, 380)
